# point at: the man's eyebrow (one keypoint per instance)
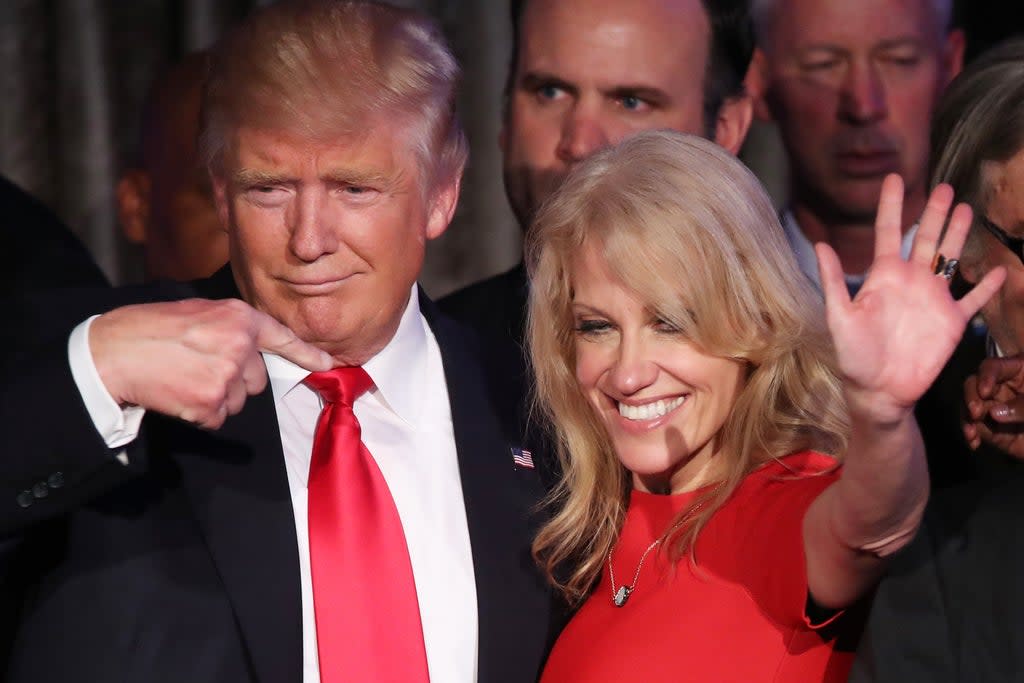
(361, 178)
(248, 177)
(886, 44)
(355, 176)
(895, 43)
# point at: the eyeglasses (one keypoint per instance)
(1014, 244)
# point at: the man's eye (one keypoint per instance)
(358, 192)
(903, 59)
(820, 65)
(549, 92)
(632, 103)
(266, 195)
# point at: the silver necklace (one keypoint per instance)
(621, 595)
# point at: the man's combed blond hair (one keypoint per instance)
(690, 231)
(327, 69)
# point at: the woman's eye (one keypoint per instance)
(663, 325)
(591, 326)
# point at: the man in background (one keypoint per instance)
(583, 75)
(852, 87)
(165, 204)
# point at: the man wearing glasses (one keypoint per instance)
(951, 605)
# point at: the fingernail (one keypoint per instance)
(1001, 411)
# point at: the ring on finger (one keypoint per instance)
(945, 267)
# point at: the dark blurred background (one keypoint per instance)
(76, 71)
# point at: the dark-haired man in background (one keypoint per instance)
(584, 74)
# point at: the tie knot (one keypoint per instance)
(340, 385)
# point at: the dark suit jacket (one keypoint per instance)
(184, 566)
(496, 308)
(39, 251)
(950, 461)
(952, 605)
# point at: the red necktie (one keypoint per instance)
(367, 615)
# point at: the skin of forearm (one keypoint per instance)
(872, 511)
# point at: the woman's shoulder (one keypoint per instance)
(803, 469)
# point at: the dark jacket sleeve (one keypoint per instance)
(53, 457)
(950, 608)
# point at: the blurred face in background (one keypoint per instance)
(1004, 313)
(852, 86)
(166, 204)
(590, 73)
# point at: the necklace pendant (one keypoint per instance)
(622, 595)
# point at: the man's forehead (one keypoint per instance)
(805, 24)
(377, 150)
(617, 42)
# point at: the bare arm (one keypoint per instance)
(891, 342)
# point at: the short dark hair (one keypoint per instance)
(730, 49)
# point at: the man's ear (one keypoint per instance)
(134, 205)
(733, 123)
(220, 198)
(442, 207)
(757, 83)
(953, 54)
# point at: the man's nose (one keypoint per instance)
(312, 235)
(863, 94)
(583, 133)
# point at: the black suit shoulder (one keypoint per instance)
(40, 252)
(950, 607)
(496, 306)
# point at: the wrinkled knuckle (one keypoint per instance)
(237, 346)
(238, 310)
(210, 396)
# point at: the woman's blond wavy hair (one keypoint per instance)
(688, 229)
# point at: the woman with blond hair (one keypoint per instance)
(738, 459)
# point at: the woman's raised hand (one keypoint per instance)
(898, 332)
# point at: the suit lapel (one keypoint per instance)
(512, 602)
(236, 481)
(238, 486)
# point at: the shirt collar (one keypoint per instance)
(808, 260)
(401, 364)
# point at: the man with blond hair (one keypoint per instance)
(851, 86)
(367, 521)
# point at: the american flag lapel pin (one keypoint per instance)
(522, 458)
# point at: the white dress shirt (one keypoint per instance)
(407, 427)
(808, 260)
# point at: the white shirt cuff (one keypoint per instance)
(117, 426)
